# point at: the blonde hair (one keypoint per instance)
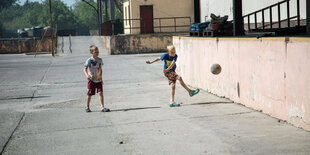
(93, 48)
(170, 47)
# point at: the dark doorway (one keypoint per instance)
(197, 11)
(146, 15)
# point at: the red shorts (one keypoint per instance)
(92, 86)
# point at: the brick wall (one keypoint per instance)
(25, 45)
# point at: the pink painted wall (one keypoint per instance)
(268, 74)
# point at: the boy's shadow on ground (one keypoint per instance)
(143, 108)
(204, 103)
(130, 109)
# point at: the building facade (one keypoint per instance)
(157, 16)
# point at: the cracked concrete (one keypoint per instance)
(140, 121)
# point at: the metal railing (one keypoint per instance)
(160, 25)
(271, 22)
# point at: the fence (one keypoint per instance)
(160, 24)
(271, 22)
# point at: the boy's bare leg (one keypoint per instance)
(88, 98)
(183, 84)
(101, 99)
(172, 92)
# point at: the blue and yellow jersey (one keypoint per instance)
(168, 60)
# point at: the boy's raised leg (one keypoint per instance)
(184, 85)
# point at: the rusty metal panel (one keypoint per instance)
(106, 28)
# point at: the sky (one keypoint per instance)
(68, 2)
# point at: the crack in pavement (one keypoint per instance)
(43, 84)
(138, 122)
(6, 143)
(43, 78)
(23, 97)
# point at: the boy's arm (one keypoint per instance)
(86, 74)
(100, 74)
(171, 65)
(150, 62)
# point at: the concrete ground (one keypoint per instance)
(42, 104)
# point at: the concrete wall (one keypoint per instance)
(106, 40)
(224, 7)
(269, 74)
(161, 9)
(135, 44)
(25, 45)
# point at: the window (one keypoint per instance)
(128, 15)
(126, 21)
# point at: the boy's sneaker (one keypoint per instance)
(174, 104)
(87, 110)
(105, 110)
(194, 93)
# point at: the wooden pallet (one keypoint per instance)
(196, 33)
(208, 33)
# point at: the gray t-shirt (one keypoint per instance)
(94, 65)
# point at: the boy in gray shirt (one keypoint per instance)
(93, 72)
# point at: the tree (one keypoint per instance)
(86, 15)
(12, 17)
(81, 17)
(37, 14)
(62, 15)
(6, 3)
(118, 11)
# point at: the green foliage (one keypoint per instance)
(6, 3)
(118, 14)
(17, 16)
(86, 15)
(61, 14)
(79, 17)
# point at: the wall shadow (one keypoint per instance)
(205, 103)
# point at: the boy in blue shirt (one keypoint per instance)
(169, 70)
